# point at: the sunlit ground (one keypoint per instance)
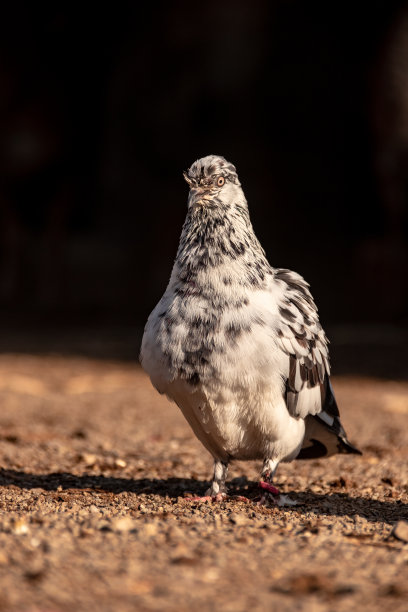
(95, 466)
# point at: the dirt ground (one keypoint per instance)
(94, 470)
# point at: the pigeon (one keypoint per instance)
(237, 344)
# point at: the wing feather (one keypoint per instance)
(309, 394)
(303, 340)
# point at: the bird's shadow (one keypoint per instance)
(332, 504)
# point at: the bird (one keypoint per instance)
(237, 344)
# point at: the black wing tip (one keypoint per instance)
(346, 447)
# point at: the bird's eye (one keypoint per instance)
(220, 181)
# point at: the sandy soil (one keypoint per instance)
(94, 470)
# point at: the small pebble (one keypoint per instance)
(20, 527)
(124, 523)
(237, 519)
(400, 531)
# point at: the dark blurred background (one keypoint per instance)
(101, 109)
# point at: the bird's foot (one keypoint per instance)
(271, 497)
(216, 498)
(207, 498)
(267, 486)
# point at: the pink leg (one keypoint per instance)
(268, 487)
(270, 494)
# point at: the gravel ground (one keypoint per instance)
(95, 467)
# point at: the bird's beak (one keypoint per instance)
(194, 196)
(197, 195)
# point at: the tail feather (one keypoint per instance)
(321, 440)
(325, 435)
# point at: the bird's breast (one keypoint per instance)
(214, 335)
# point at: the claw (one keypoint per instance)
(284, 500)
(271, 496)
(275, 500)
(240, 498)
(207, 498)
(216, 498)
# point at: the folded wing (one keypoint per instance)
(309, 394)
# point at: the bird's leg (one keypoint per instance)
(269, 491)
(218, 487)
(270, 494)
(217, 490)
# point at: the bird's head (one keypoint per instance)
(213, 182)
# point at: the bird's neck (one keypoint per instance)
(219, 247)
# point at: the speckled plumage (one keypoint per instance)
(236, 343)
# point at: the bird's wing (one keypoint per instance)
(309, 394)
